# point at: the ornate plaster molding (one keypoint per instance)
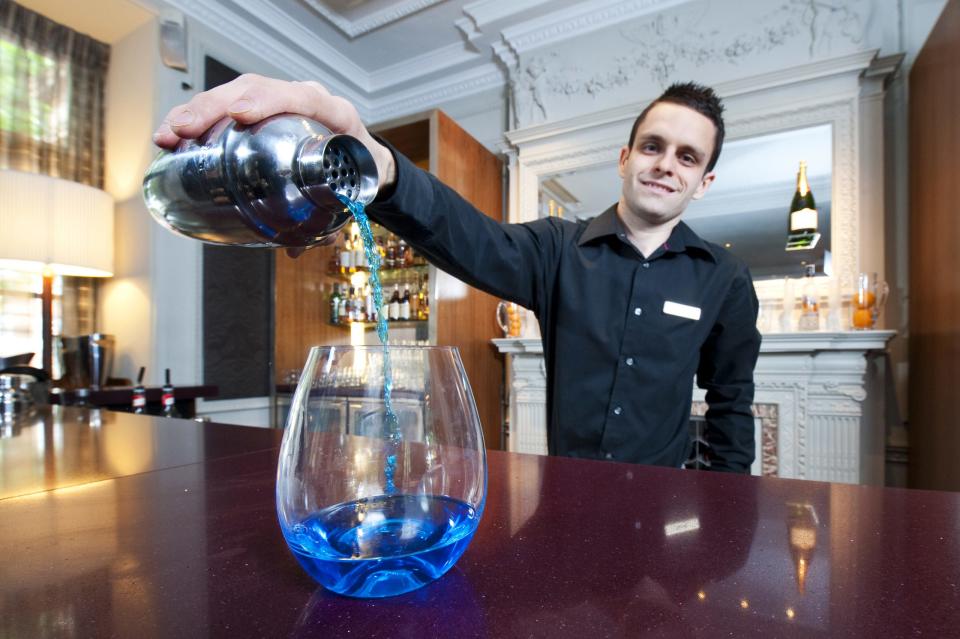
(856, 392)
(353, 28)
(579, 19)
(482, 13)
(660, 44)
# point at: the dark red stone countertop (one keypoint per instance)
(147, 527)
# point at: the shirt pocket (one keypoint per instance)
(676, 331)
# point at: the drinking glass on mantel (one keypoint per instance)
(382, 478)
(868, 300)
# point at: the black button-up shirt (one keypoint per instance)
(623, 334)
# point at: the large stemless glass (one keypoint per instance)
(381, 486)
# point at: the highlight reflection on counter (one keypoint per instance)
(51, 447)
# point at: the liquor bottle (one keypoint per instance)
(415, 300)
(166, 397)
(803, 210)
(351, 307)
(334, 304)
(352, 251)
(343, 310)
(405, 303)
(359, 256)
(382, 250)
(369, 305)
(809, 302)
(395, 304)
(140, 394)
(346, 256)
(424, 304)
(402, 254)
(360, 306)
(391, 261)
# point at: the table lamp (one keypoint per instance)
(54, 227)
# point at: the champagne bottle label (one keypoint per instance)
(167, 399)
(803, 219)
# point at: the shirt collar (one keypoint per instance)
(681, 238)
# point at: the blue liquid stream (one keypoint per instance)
(373, 262)
(383, 546)
(389, 544)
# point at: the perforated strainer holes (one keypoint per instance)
(340, 172)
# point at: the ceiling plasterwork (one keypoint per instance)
(353, 27)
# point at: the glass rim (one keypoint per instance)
(379, 347)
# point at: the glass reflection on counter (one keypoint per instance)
(802, 525)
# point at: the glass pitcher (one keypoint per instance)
(380, 485)
(868, 301)
(510, 318)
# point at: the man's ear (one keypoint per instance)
(705, 183)
(624, 154)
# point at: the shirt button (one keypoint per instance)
(646, 265)
(609, 455)
(617, 410)
(637, 311)
(629, 361)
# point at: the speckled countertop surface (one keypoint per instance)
(147, 527)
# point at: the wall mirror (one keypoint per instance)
(745, 209)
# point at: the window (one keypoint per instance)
(42, 112)
(21, 307)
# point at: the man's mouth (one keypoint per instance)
(658, 186)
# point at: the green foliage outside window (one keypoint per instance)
(39, 112)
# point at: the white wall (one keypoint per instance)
(126, 299)
(153, 303)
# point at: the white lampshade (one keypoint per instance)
(54, 225)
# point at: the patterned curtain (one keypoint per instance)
(52, 84)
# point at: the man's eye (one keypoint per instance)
(649, 146)
(688, 159)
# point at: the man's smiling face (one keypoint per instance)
(665, 168)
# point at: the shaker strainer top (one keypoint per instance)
(340, 171)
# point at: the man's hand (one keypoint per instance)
(251, 98)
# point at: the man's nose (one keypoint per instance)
(666, 164)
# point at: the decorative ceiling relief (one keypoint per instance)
(357, 18)
(677, 44)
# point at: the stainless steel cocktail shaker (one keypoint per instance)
(272, 184)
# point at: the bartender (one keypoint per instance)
(632, 304)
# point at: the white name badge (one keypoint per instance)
(681, 310)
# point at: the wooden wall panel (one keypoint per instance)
(934, 257)
(469, 168)
(301, 309)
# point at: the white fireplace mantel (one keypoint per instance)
(818, 402)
